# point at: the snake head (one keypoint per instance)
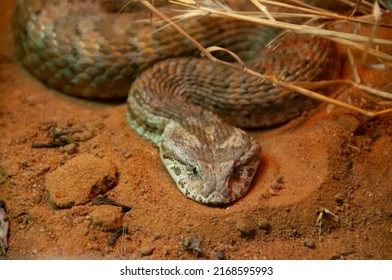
(213, 166)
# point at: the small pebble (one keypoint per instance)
(220, 255)
(339, 199)
(264, 225)
(277, 186)
(193, 245)
(86, 135)
(309, 243)
(68, 149)
(279, 179)
(146, 251)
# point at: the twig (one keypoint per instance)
(339, 256)
(304, 29)
(292, 86)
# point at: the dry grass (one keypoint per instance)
(368, 45)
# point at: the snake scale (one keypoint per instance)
(188, 106)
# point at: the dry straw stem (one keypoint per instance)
(351, 40)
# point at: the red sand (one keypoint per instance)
(330, 160)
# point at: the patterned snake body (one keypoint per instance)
(188, 107)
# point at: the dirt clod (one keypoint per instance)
(79, 180)
(106, 217)
(245, 229)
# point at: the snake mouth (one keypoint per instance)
(210, 191)
(221, 193)
(217, 198)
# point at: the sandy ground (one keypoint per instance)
(324, 189)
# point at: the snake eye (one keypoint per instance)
(194, 170)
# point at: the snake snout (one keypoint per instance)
(217, 198)
(226, 183)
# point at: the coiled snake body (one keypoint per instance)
(189, 107)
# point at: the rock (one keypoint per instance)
(193, 244)
(220, 255)
(68, 149)
(339, 199)
(79, 180)
(309, 243)
(146, 251)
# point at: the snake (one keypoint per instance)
(4, 227)
(193, 109)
